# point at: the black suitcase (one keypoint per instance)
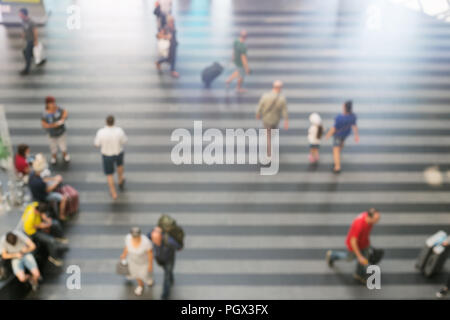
(430, 243)
(436, 260)
(210, 73)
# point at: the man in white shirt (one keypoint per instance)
(111, 140)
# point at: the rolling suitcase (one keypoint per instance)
(431, 242)
(436, 260)
(210, 73)
(73, 199)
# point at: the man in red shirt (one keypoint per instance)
(358, 243)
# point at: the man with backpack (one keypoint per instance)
(167, 238)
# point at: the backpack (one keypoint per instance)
(169, 225)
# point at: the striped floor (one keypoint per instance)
(248, 236)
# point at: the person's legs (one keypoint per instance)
(112, 187)
(30, 264)
(172, 60)
(56, 229)
(48, 241)
(18, 268)
(160, 61)
(61, 200)
(108, 168)
(120, 169)
(140, 288)
(62, 144)
(168, 278)
(269, 141)
(233, 76)
(361, 269)
(241, 80)
(53, 143)
(28, 54)
(338, 143)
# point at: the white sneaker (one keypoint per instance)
(139, 290)
(67, 158)
(53, 160)
(150, 282)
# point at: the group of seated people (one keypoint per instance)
(40, 232)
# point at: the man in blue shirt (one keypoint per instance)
(164, 248)
(343, 125)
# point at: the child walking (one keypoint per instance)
(315, 132)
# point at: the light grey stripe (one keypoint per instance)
(88, 218)
(152, 93)
(287, 177)
(261, 79)
(143, 140)
(97, 53)
(235, 123)
(297, 158)
(269, 197)
(253, 242)
(324, 65)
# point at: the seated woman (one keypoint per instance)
(20, 161)
(18, 247)
(44, 189)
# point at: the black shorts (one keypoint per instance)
(109, 161)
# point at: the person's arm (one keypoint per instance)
(245, 63)
(30, 246)
(354, 244)
(260, 106)
(64, 116)
(124, 254)
(36, 36)
(57, 179)
(6, 255)
(356, 133)
(150, 260)
(97, 141)
(330, 133)
(284, 112)
(173, 243)
(46, 223)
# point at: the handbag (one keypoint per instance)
(38, 53)
(163, 48)
(122, 268)
(375, 255)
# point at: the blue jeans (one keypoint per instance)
(350, 256)
(168, 267)
(28, 54)
(48, 240)
(27, 261)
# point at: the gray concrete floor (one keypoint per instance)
(248, 236)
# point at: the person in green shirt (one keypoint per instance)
(240, 61)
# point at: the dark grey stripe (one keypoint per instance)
(313, 230)
(91, 115)
(233, 254)
(354, 167)
(269, 208)
(291, 132)
(258, 187)
(300, 279)
(229, 100)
